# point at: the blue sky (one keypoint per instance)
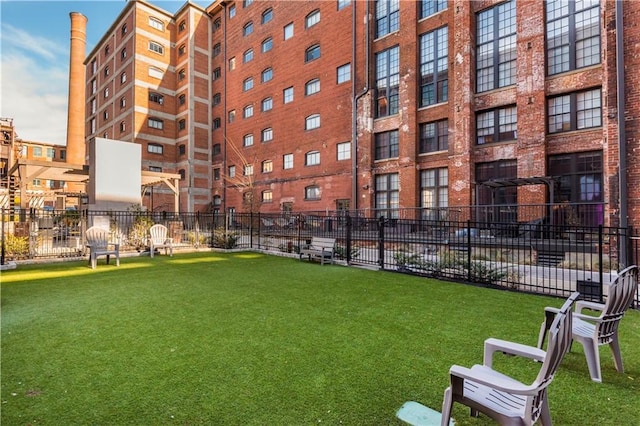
(34, 59)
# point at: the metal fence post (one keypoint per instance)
(381, 241)
(2, 233)
(348, 238)
(469, 250)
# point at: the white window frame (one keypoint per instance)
(312, 158)
(156, 23)
(154, 148)
(287, 161)
(247, 111)
(156, 47)
(343, 151)
(267, 134)
(247, 140)
(312, 86)
(155, 123)
(267, 104)
(288, 31)
(287, 95)
(343, 73)
(312, 122)
(312, 18)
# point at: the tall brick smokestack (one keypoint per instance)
(76, 150)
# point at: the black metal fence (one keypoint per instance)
(531, 256)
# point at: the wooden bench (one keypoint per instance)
(324, 248)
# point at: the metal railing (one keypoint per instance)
(530, 256)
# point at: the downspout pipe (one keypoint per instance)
(357, 96)
(622, 136)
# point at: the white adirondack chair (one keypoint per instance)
(158, 239)
(505, 399)
(594, 331)
(99, 245)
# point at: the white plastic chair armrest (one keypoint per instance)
(497, 345)
(594, 306)
(492, 381)
(587, 318)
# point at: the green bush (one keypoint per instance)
(225, 239)
(16, 247)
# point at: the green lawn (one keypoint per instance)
(250, 339)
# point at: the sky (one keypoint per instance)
(34, 59)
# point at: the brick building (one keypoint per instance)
(324, 105)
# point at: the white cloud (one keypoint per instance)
(13, 37)
(34, 93)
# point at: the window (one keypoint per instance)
(92, 129)
(312, 158)
(288, 31)
(267, 75)
(156, 47)
(247, 56)
(312, 192)
(217, 200)
(247, 111)
(123, 54)
(267, 166)
(247, 140)
(232, 11)
(344, 73)
(217, 149)
(312, 18)
(216, 174)
(497, 125)
(267, 134)
(267, 45)
(105, 114)
(182, 149)
(247, 3)
(387, 82)
(156, 23)
(312, 53)
(312, 122)
(216, 124)
(287, 161)
(387, 17)
(123, 29)
(155, 169)
(154, 148)
(343, 3)
(387, 195)
(267, 196)
(232, 66)
(107, 50)
(502, 169)
(106, 71)
(312, 86)
(156, 97)
(155, 123)
(267, 16)
(37, 182)
(217, 24)
(155, 73)
(247, 84)
(182, 26)
(123, 126)
(216, 74)
(123, 78)
(247, 29)
(287, 95)
(267, 104)
(182, 99)
(496, 48)
(434, 136)
(217, 49)
(94, 67)
(51, 153)
(573, 35)
(123, 102)
(182, 124)
(232, 171)
(581, 181)
(182, 49)
(434, 191)
(231, 116)
(434, 81)
(248, 170)
(344, 151)
(182, 174)
(575, 111)
(94, 105)
(94, 86)
(106, 92)
(182, 74)
(430, 7)
(387, 145)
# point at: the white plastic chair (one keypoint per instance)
(505, 399)
(158, 239)
(594, 331)
(99, 245)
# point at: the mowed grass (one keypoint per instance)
(251, 339)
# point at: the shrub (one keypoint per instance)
(225, 239)
(16, 247)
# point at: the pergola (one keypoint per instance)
(27, 170)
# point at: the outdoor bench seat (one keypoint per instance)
(320, 247)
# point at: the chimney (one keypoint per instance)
(76, 148)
